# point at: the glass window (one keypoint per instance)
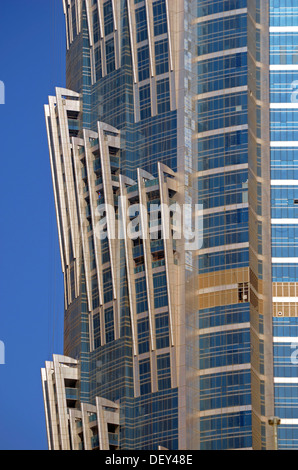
(160, 17)
(141, 24)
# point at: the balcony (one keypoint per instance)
(88, 211)
(71, 393)
(131, 189)
(138, 251)
(151, 183)
(92, 417)
(114, 161)
(157, 245)
(113, 439)
(94, 442)
(84, 173)
(96, 165)
(73, 124)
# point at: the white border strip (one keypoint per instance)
(286, 380)
(284, 260)
(283, 67)
(283, 105)
(283, 29)
(284, 182)
(279, 143)
(285, 339)
(284, 221)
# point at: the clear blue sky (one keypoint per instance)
(32, 63)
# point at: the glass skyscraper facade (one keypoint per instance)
(170, 343)
(222, 166)
(284, 204)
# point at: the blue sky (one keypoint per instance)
(32, 63)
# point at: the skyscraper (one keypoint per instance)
(162, 154)
(284, 204)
